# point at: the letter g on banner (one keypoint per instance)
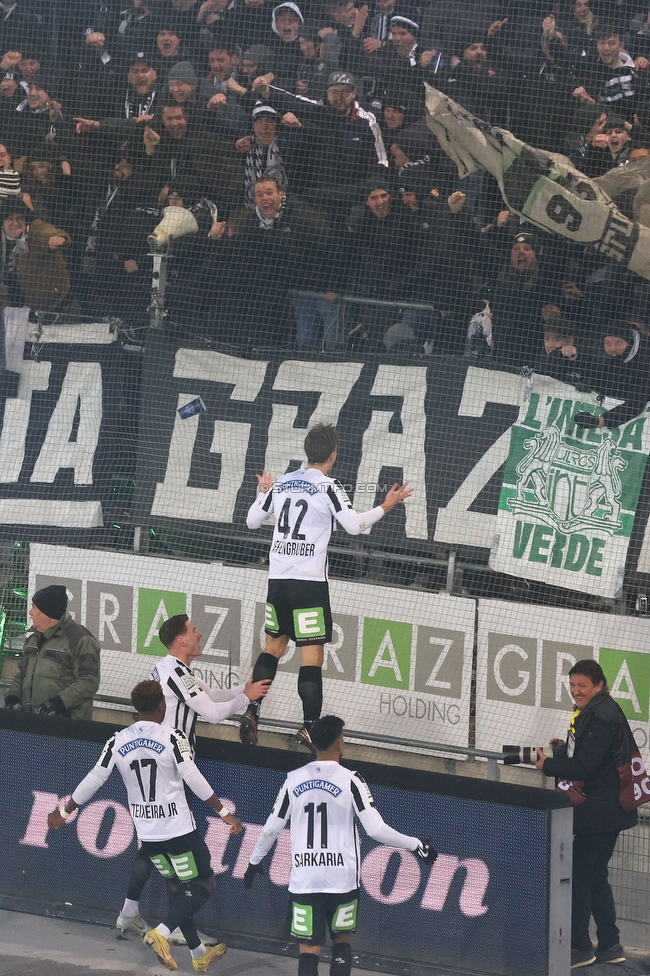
(512, 665)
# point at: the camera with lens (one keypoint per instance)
(527, 755)
(513, 755)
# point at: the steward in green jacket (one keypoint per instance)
(58, 673)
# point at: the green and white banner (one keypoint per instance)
(569, 496)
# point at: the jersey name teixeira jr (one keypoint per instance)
(305, 503)
(154, 761)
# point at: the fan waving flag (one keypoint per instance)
(542, 187)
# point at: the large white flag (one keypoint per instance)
(544, 188)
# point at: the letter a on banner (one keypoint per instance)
(154, 608)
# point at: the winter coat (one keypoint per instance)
(599, 731)
(626, 377)
(63, 661)
(42, 271)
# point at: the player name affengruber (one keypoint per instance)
(321, 860)
(293, 548)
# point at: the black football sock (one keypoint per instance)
(310, 691)
(308, 964)
(184, 904)
(188, 928)
(140, 873)
(264, 669)
(341, 963)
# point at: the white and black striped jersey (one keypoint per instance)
(154, 761)
(188, 698)
(304, 503)
(322, 800)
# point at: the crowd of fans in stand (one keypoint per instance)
(296, 133)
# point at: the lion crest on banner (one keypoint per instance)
(570, 487)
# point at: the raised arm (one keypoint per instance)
(354, 522)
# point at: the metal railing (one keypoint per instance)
(438, 747)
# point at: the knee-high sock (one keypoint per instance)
(265, 668)
(341, 963)
(184, 904)
(188, 928)
(308, 964)
(140, 873)
(310, 690)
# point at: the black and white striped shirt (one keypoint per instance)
(9, 183)
(323, 799)
(188, 698)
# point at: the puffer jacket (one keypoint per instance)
(63, 661)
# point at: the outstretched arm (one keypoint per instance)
(355, 523)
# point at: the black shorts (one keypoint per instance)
(185, 858)
(299, 609)
(308, 915)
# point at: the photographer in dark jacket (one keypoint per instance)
(587, 768)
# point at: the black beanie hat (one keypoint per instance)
(52, 601)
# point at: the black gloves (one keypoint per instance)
(585, 420)
(53, 706)
(251, 871)
(426, 851)
(13, 701)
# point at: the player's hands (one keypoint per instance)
(249, 875)
(54, 819)
(257, 689)
(264, 481)
(426, 851)
(53, 706)
(396, 496)
(234, 823)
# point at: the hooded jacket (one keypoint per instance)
(287, 57)
(63, 661)
(626, 377)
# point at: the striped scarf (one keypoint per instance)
(260, 159)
